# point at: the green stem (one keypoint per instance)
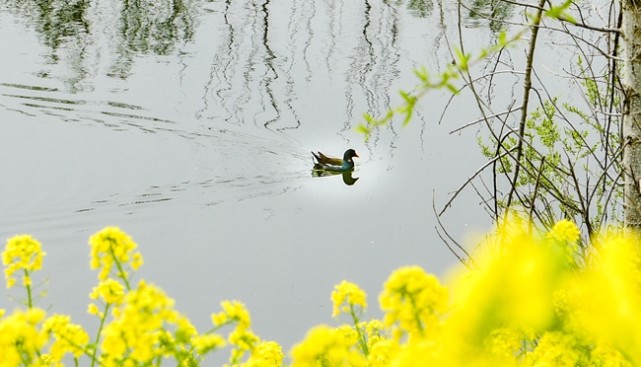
(84, 349)
(28, 286)
(216, 328)
(121, 271)
(417, 316)
(98, 334)
(23, 356)
(361, 336)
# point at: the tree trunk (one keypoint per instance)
(631, 79)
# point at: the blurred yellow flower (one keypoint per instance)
(265, 354)
(519, 304)
(110, 247)
(233, 311)
(21, 253)
(110, 291)
(21, 339)
(243, 341)
(207, 342)
(137, 331)
(326, 346)
(565, 230)
(345, 296)
(413, 299)
(69, 338)
(555, 349)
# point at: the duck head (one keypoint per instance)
(349, 155)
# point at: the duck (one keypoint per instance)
(325, 163)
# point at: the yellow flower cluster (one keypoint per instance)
(345, 296)
(21, 253)
(21, 337)
(525, 301)
(112, 247)
(243, 340)
(233, 311)
(109, 291)
(68, 337)
(138, 331)
(327, 346)
(28, 338)
(413, 300)
(139, 326)
(265, 354)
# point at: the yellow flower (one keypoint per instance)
(205, 343)
(555, 349)
(504, 342)
(92, 309)
(110, 247)
(138, 331)
(265, 354)
(606, 356)
(137, 261)
(233, 311)
(110, 291)
(606, 300)
(413, 299)
(345, 296)
(20, 337)
(382, 352)
(565, 230)
(69, 338)
(243, 340)
(325, 346)
(21, 253)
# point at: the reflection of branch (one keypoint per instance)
(478, 171)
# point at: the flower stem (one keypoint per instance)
(121, 271)
(28, 286)
(98, 334)
(361, 336)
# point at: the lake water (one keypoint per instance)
(190, 125)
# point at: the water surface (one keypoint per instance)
(189, 126)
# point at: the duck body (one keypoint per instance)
(325, 163)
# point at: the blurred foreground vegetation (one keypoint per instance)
(528, 298)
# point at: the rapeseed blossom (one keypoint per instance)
(233, 311)
(207, 342)
(566, 231)
(112, 247)
(138, 330)
(21, 253)
(265, 354)
(530, 299)
(109, 291)
(413, 301)
(345, 296)
(68, 337)
(326, 346)
(21, 337)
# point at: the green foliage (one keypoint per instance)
(562, 159)
(560, 12)
(443, 80)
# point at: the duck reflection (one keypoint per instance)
(348, 179)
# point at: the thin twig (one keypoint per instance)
(469, 179)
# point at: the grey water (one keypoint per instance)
(189, 125)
